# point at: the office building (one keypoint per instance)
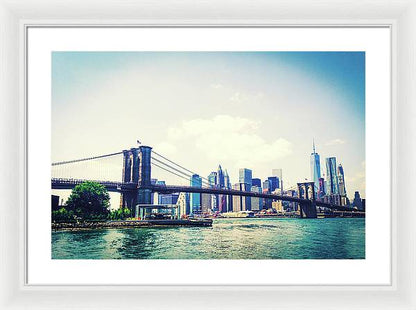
(273, 183)
(206, 203)
(220, 178)
(241, 203)
(278, 173)
(256, 203)
(331, 176)
(315, 169)
(168, 199)
(245, 176)
(256, 182)
(195, 198)
(212, 180)
(357, 201)
(183, 205)
(341, 181)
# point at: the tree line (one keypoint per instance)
(89, 201)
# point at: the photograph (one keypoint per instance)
(208, 155)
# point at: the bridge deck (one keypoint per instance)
(166, 189)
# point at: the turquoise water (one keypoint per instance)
(272, 238)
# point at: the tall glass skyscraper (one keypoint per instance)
(256, 182)
(315, 168)
(195, 201)
(220, 177)
(278, 173)
(274, 183)
(245, 176)
(331, 176)
(341, 181)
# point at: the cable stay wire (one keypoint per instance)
(172, 162)
(175, 169)
(85, 159)
(186, 177)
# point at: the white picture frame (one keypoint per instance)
(14, 17)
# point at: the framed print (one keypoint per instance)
(201, 160)
(235, 207)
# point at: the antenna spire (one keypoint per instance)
(313, 142)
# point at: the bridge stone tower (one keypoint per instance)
(137, 170)
(307, 208)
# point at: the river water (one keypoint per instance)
(255, 238)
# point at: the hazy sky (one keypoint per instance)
(258, 110)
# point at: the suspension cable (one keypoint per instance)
(154, 152)
(85, 159)
(181, 176)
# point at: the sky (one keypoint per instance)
(256, 110)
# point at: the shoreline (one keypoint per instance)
(130, 224)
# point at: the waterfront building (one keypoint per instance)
(357, 200)
(292, 205)
(183, 204)
(332, 176)
(195, 201)
(274, 183)
(278, 206)
(278, 173)
(256, 203)
(256, 182)
(315, 168)
(168, 199)
(206, 203)
(241, 203)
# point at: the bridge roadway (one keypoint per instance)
(120, 187)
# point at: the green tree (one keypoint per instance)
(119, 214)
(89, 200)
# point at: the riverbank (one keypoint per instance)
(131, 223)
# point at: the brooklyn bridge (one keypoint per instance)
(136, 186)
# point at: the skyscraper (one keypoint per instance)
(220, 177)
(256, 182)
(195, 201)
(278, 173)
(245, 176)
(331, 176)
(227, 183)
(241, 203)
(274, 183)
(212, 180)
(341, 181)
(315, 168)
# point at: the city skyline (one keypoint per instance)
(242, 110)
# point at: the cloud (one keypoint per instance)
(226, 138)
(335, 142)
